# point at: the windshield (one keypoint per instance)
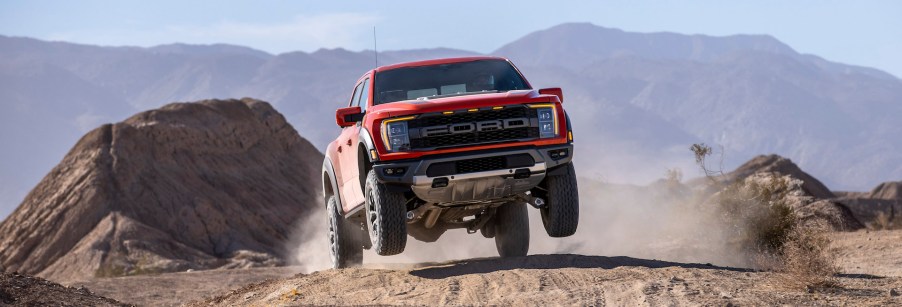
(447, 80)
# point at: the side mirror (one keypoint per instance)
(557, 91)
(349, 116)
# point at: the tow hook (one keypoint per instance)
(537, 202)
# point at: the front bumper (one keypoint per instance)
(465, 186)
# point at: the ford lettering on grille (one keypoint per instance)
(488, 125)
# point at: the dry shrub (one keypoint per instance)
(767, 229)
(673, 176)
(758, 214)
(885, 221)
(805, 261)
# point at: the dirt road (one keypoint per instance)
(869, 260)
(545, 280)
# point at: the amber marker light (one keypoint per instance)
(385, 123)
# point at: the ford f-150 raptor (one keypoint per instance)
(459, 143)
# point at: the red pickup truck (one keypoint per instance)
(458, 143)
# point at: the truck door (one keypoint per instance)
(342, 151)
(352, 190)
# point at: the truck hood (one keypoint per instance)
(409, 107)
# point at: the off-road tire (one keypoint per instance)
(512, 230)
(345, 247)
(560, 215)
(385, 217)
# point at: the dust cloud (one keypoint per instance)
(663, 220)
(308, 244)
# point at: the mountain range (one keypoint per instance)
(637, 100)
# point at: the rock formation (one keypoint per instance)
(813, 205)
(888, 190)
(187, 186)
(884, 199)
(783, 166)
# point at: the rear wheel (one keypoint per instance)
(385, 217)
(511, 230)
(344, 245)
(560, 215)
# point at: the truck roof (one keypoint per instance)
(437, 62)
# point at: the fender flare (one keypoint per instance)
(567, 116)
(364, 163)
(366, 140)
(329, 172)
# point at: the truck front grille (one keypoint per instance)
(452, 140)
(419, 140)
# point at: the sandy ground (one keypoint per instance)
(870, 261)
(869, 252)
(546, 280)
(174, 289)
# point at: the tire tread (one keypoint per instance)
(561, 215)
(393, 237)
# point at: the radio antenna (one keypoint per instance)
(375, 51)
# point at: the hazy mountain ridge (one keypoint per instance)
(637, 99)
(574, 45)
(751, 94)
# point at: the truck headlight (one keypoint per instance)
(547, 120)
(394, 134)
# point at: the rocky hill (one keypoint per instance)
(885, 199)
(188, 186)
(814, 205)
(888, 191)
(777, 164)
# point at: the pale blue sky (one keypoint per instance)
(867, 33)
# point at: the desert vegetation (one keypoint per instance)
(758, 212)
(886, 221)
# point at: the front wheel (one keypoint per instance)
(385, 217)
(560, 215)
(511, 230)
(344, 246)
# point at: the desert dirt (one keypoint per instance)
(869, 252)
(174, 289)
(22, 290)
(869, 262)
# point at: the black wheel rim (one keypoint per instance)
(372, 216)
(333, 240)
